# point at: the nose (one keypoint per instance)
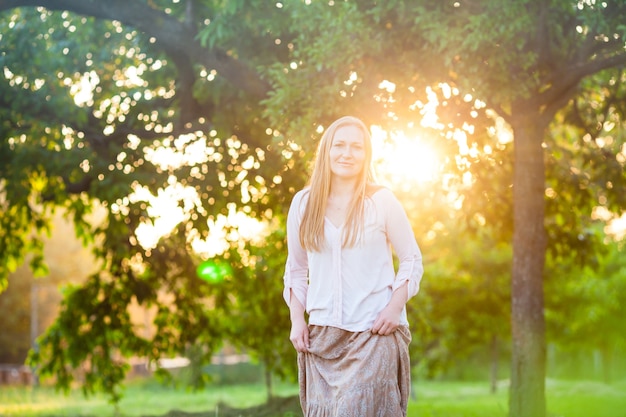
(348, 152)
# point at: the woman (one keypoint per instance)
(353, 354)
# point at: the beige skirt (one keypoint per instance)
(347, 374)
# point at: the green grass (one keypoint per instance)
(146, 398)
(434, 399)
(564, 399)
(457, 399)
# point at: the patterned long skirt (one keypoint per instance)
(346, 374)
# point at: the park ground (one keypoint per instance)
(147, 397)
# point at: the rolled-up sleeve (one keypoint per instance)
(297, 266)
(402, 238)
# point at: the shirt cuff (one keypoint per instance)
(299, 291)
(411, 278)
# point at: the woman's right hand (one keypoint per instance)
(299, 335)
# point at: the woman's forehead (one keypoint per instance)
(348, 133)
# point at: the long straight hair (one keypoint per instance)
(312, 225)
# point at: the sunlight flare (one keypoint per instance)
(401, 161)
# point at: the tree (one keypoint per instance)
(585, 314)
(258, 320)
(97, 102)
(34, 301)
(469, 311)
(538, 85)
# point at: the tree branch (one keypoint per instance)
(172, 35)
(569, 76)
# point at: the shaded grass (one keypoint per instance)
(434, 399)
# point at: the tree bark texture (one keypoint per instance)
(528, 364)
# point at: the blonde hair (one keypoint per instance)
(312, 225)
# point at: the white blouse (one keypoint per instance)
(348, 287)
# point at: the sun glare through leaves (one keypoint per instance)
(401, 161)
(177, 203)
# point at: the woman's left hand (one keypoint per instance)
(387, 321)
(389, 318)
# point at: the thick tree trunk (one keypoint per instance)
(528, 367)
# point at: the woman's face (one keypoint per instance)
(347, 152)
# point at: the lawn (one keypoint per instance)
(564, 399)
(433, 399)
